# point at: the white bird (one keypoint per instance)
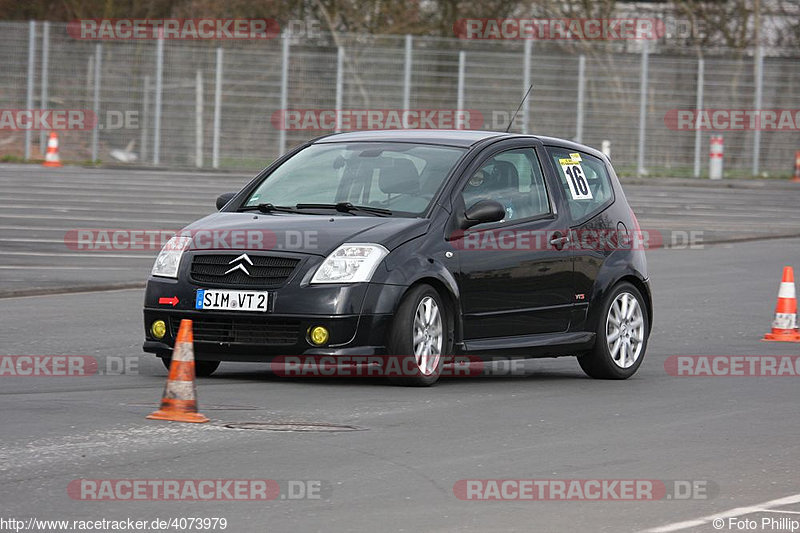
(127, 155)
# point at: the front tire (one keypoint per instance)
(622, 335)
(420, 337)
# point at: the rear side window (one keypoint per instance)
(585, 180)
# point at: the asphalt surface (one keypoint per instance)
(737, 436)
(42, 209)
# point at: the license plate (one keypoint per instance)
(225, 300)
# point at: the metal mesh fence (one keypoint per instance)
(215, 102)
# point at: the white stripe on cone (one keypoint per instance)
(785, 321)
(786, 290)
(183, 352)
(180, 390)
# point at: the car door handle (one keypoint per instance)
(558, 241)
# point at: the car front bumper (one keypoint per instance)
(357, 317)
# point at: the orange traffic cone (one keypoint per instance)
(179, 401)
(784, 327)
(51, 158)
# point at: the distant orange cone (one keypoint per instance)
(784, 327)
(51, 158)
(179, 401)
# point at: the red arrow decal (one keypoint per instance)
(173, 301)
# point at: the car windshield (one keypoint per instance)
(400, 177)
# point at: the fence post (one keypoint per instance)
(526, 83)
(407, 78)
(45, 69)
(581, 97)
(759, 75)
(462, 65)
(159, 88)
(98, 62)
(284, 93)
(145, 124)
(339, 86)
(698, 135)
(31, 66)
(217, 109)
(640, 170)
(198, 109)
(88, 78)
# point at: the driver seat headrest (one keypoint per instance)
(399, 178)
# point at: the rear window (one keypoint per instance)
(585, 181)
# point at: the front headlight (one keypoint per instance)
(169, 258)
(350, 263)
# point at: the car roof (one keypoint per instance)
(463, 138)
(460, 138)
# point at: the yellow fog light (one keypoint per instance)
(318, 335)
(158, 329)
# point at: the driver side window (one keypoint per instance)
(514, 178)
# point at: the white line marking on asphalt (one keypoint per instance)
(94, 255)
(71, 293)
(64, 230)
(26, 200)
(27, 239)
(104, 442)
(758, 508)
(98, 219)
(93, 209)
(51, 267)
(66, 243)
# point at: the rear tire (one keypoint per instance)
(202, 369)
(420, 336)
(622, 334)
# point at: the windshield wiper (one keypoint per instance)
(347, 207)
(268, 208)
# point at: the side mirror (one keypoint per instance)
(223, 199)
(484, 211)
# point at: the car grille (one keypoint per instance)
(242, 330)
(266, 270)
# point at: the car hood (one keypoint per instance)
(310, 234)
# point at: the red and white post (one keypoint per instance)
(715, 154)
(796, 177)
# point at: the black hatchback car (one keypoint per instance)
(420, 244)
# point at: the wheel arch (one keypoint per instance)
(644, 289)
(641, 284)
(448, 297)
